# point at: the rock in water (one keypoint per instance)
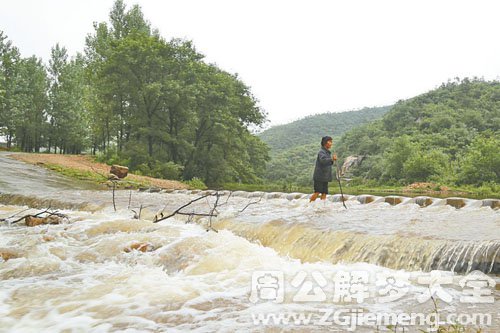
(143, 247)
(119, 171)
(32, 221)
(7, 254)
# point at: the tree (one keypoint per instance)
(152, 104)
(67, 114)
(396, 156)
(164, 109)
(423, 165)
(31, 99)
(481, 162)
(9, 68)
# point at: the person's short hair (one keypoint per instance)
(325, 139)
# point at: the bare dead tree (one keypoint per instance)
(114, 187)
(137, 216)
(217, 196)
(229, 196)
(227, 199)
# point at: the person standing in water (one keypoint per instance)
(323, 169)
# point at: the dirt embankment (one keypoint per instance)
(86, 163)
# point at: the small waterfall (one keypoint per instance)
(392, 251)
(40, 203)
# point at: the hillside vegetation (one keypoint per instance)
(449, 135)
(307, 130)
(293, 147)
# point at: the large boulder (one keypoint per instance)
(119, 171)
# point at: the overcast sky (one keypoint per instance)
(298, 57)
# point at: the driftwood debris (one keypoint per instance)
(217, 195)
(44, 217)
(213, 212)
(178, 210)
(252, 203)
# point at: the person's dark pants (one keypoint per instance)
(321, 187)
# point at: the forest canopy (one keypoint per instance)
(449, 135)
(136, 99)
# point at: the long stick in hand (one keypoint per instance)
(340, 185)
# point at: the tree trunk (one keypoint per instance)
(9, 141)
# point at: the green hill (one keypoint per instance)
(450, 135)
(310, 129)
(294, 146)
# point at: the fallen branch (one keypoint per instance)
(212, 212)
(178, 210)
(197, 214)
(7, 218)
(39, 215)
(30, 215)
(252, 203)
(227, 199)
(137, 216)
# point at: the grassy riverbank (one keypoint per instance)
(85, 168)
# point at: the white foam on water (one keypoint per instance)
(83, 275)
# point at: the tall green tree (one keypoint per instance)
(67, 113)
(9, 68)
(163, 110)
(32, 102)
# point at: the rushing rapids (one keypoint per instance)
(84, 275)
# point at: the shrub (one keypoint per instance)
(197, 183)
(168, 170)
(423, 165)
(481, 162)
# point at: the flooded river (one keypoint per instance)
(270, 263)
